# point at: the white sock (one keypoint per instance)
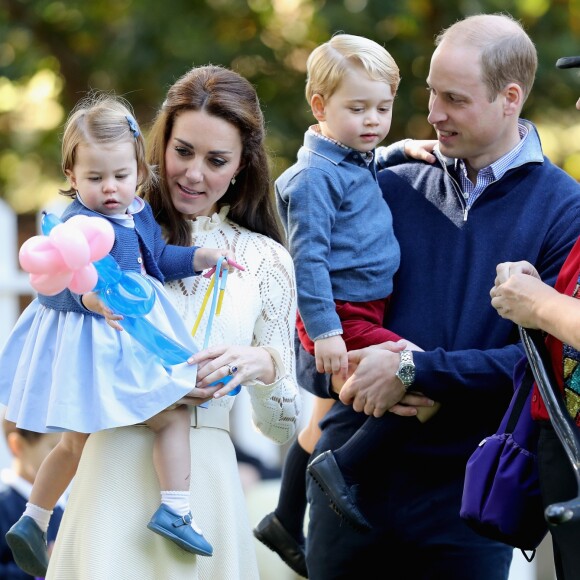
(39, 515)
(178, 501)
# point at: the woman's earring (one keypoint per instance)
(233, 180)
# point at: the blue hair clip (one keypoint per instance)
(133, 125)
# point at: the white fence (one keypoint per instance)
(13, 282)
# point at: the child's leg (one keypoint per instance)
(172, 460)
(27, 537)
(171, 455)
(54, 476)
(283, 530)
(376, 437)
(292, 503)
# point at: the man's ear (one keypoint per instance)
(318, 107)
(513, 95)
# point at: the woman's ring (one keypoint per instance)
(232, 369)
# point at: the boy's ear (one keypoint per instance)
(318, 108)
(14, 442)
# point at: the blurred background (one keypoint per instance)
(53, 51)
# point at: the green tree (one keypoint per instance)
(52, 52)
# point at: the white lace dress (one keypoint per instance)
(103, 535)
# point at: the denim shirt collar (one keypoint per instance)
(331, 150)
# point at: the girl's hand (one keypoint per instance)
(242, 363)
(92, 302)
(205, 258)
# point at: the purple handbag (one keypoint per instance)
(501, 492)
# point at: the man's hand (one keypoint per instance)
(373, 387)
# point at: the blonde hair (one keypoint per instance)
(328, 63)
(103, 119)
(508, 54)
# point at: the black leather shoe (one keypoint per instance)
(328, 476)
(28, 544)
(275, 536)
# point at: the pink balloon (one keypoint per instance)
(50, 284)
(72, 245)
(83, 280)
(39, 256)
(98, 232)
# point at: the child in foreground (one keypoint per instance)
(64, 369)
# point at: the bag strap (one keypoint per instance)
(521, 396)
(562, 422)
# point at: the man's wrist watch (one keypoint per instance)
(406, 371)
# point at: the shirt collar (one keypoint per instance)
(334, 150)
(498, 168)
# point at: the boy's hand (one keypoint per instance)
(420, 149)
(92, 302)
(331, 356)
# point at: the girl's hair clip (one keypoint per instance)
(133, 125)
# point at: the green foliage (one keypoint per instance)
(52, 52)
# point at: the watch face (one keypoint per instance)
(406, 372)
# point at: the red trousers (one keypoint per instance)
(362, 325)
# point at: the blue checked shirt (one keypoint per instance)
(489, 174)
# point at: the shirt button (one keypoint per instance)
(139, 260)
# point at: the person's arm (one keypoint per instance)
(276, 406)
(402, 151)
(439, 376)
(520, 296)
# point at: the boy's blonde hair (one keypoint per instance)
(328, 63)
(103, 119)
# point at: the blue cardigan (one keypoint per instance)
(441, 296)
(162, 261)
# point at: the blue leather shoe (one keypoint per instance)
(325, 471)
(275, 536)
(176, 528)
(28, 544)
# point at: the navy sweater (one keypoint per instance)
(12, 505)
(441, 296)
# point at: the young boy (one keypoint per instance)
(28, 449)
(341, 238)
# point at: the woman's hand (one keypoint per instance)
(518, 293)
(198, 396)
(242, 363)
(92, 302)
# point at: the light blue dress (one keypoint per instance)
(67, 371)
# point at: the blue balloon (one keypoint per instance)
(133, 296)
